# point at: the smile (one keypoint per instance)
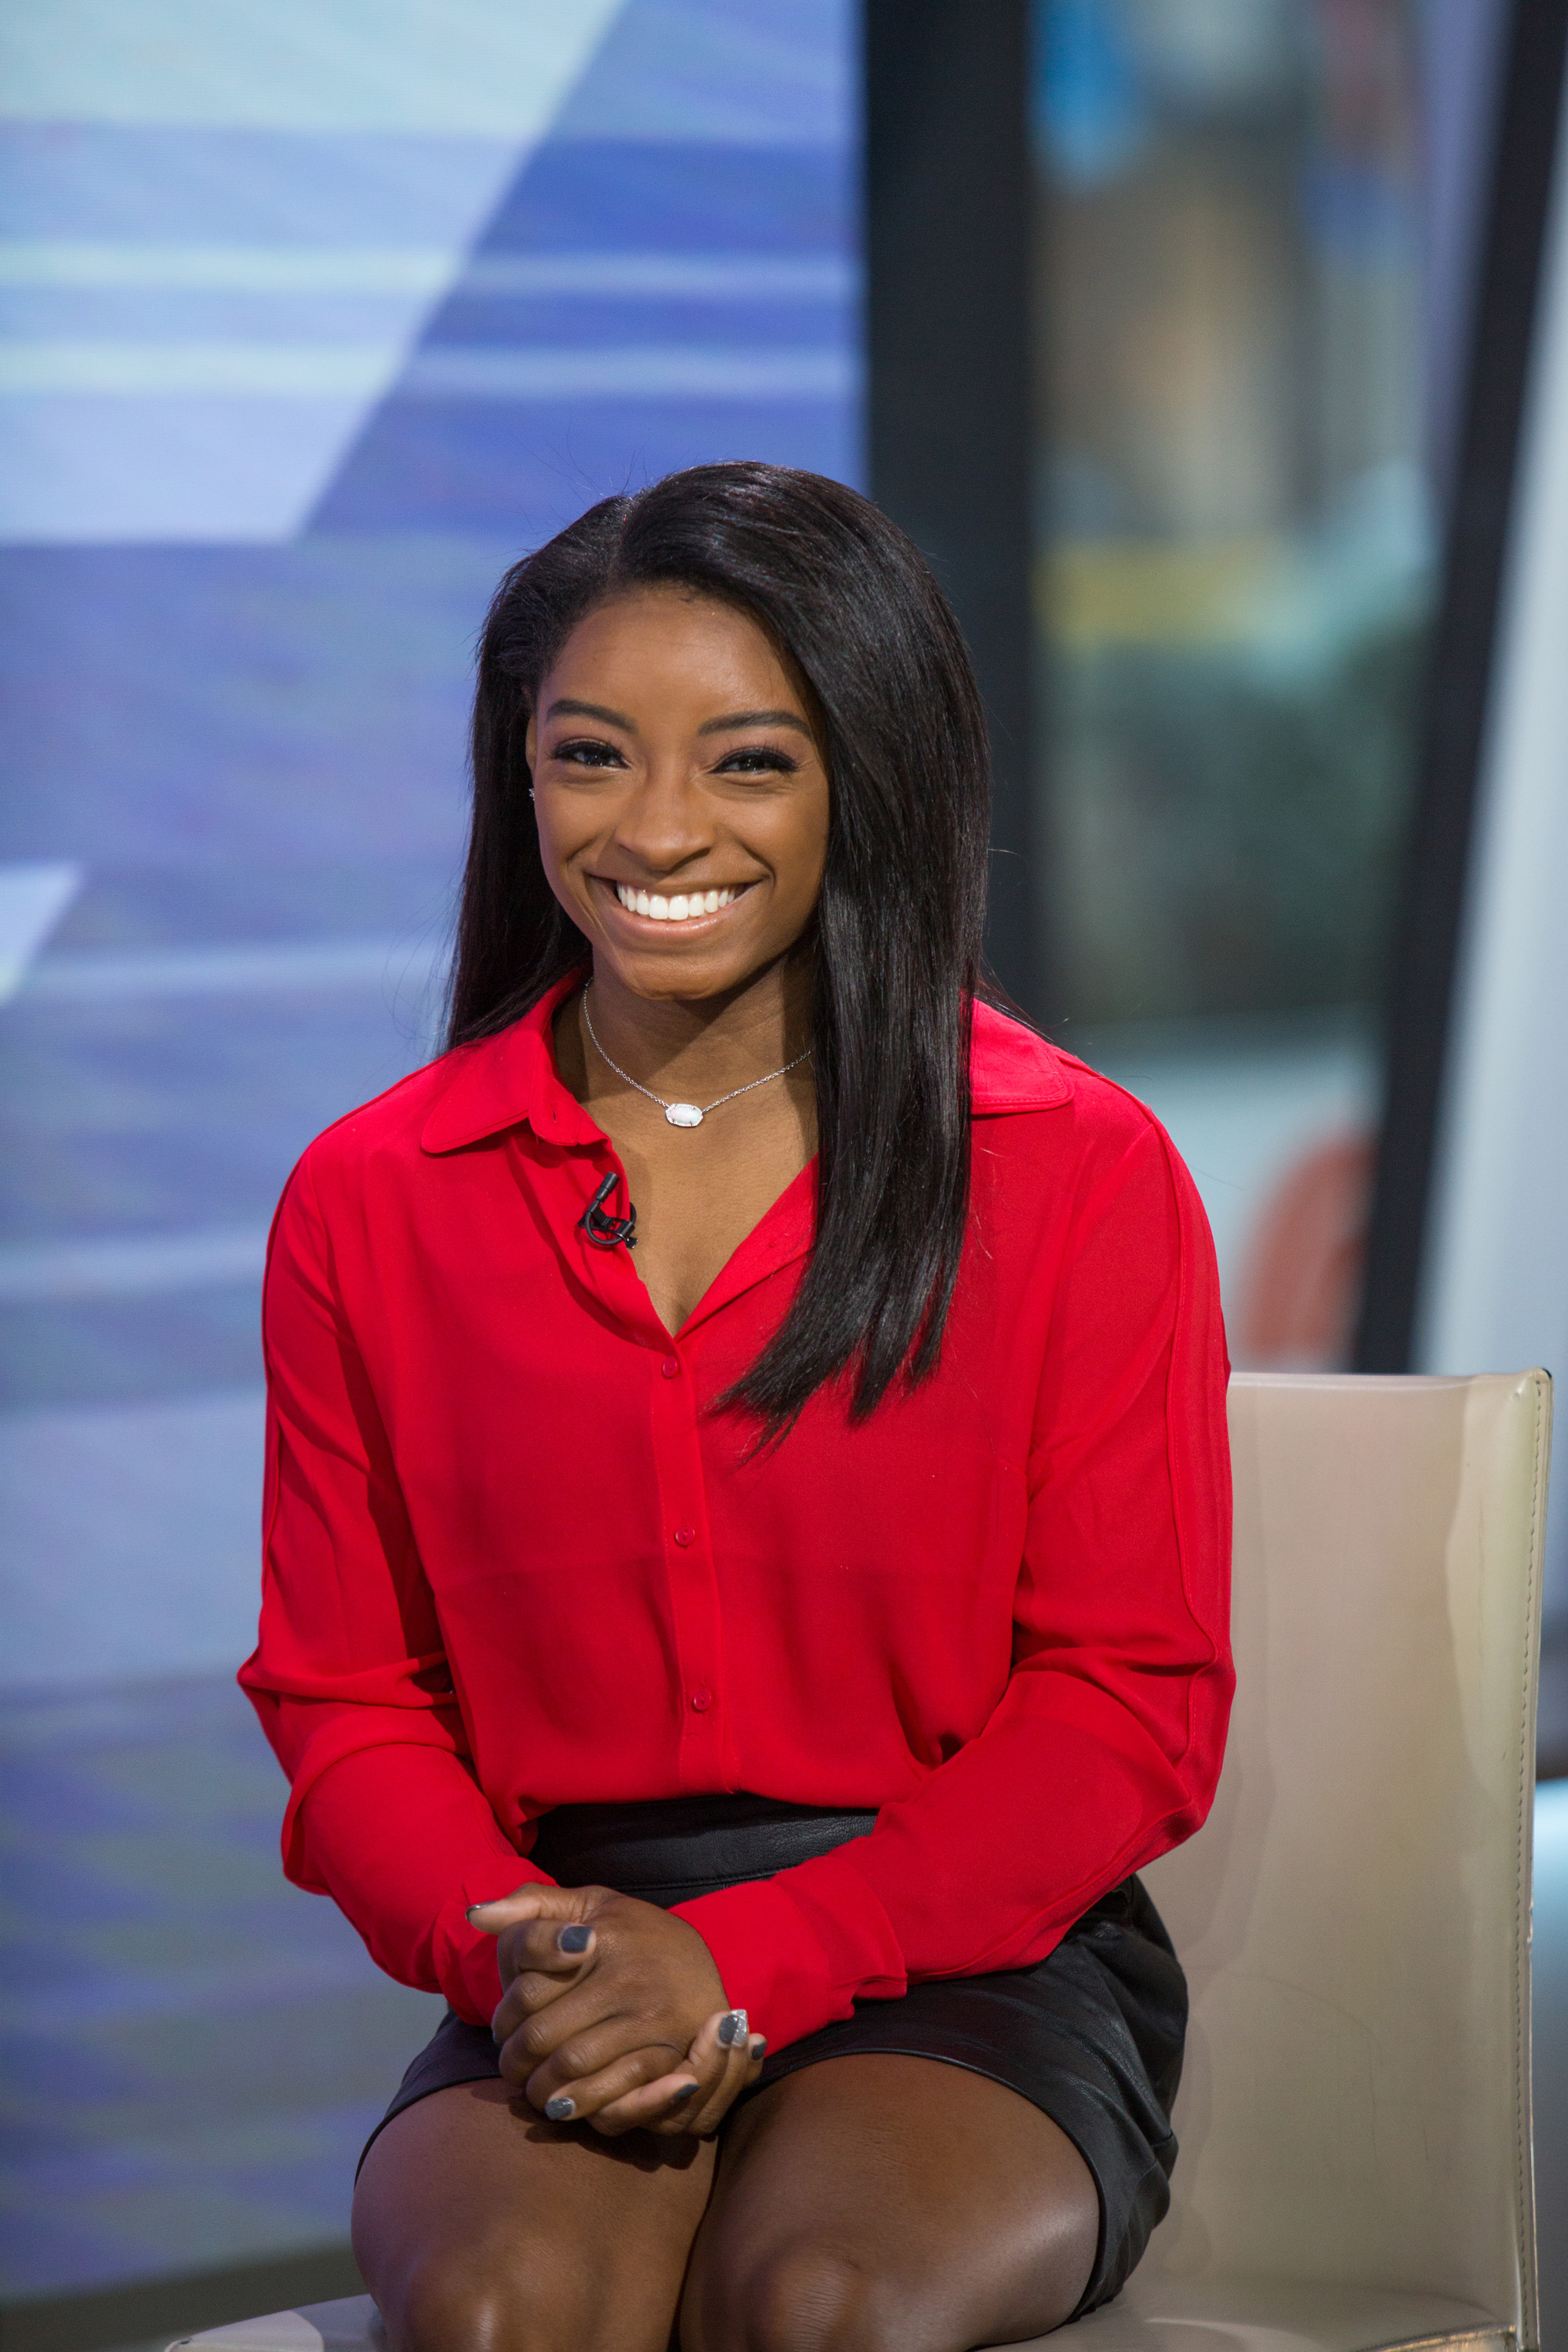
(679, 907)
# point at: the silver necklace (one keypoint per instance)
(685, 1114)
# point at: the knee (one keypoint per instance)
(469, 2304)
(445, 2304)
(799, 2297)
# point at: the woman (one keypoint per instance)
(747, 1509)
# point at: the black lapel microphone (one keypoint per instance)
(609, 1232)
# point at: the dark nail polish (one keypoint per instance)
(574, 1938)
(758, 2046)
(560, 2109)
(687, 2091)
(731, 2029)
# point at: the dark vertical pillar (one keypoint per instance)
(1426, 946)
(948, 221)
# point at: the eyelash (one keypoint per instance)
(587, 754)
(762, 758)
(767, 760)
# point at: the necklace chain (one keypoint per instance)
(700, 1112)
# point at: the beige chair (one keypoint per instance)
(1354, 2117)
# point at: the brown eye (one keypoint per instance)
(587, 753)
(761, 759)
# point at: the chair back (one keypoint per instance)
(1355, 1917)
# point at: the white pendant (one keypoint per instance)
(683, 1114)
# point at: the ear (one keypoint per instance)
(531, 742)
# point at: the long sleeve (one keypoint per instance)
(1105, 1746)
(349, 1678)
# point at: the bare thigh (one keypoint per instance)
(890, 2204)
(481, 2228)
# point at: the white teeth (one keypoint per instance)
(679, 909)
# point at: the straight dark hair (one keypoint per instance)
(852, 603)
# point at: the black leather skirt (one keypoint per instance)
(1092, 2036)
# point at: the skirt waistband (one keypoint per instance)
(674, 1849)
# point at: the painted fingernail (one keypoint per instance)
(758, 2045)
(574, 1939)
(561, 2109)
(687, 2091)
(731, 2029)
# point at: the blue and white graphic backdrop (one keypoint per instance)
(313, 315)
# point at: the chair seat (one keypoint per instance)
(1247, 2315)
(1153, 2314)
(352, 2325)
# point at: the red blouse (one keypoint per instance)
(512, 1561)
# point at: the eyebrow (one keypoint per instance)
(754, 718)
(567, 710)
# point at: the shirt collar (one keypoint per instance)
(511, 1080)
(1012, 1067)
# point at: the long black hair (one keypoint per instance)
(852, 603)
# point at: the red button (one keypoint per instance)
(685, 1535)
(702, 1700)
(669, 1368)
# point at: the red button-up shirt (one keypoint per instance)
(512, 1560)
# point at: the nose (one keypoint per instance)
(665, 824)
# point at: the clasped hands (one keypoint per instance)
(612, 2013)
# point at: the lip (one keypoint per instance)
(648, 927)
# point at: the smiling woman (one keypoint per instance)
(747, 1512)
(703, 781)
(730, 637)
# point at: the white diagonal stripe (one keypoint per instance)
(33, 897)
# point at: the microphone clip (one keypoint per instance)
(605, 1232)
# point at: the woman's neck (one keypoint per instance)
(702, 1047)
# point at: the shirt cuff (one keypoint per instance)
(796, 1951)
(464, 1957)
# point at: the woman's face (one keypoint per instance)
(680, 793)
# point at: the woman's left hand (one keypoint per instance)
(612, 2012)
(695, 2096)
